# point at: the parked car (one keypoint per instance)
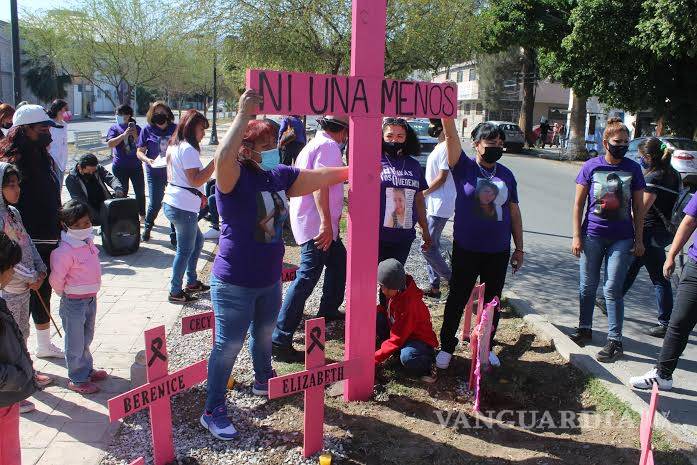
(683, 159)
(515, 139)
(428, 143)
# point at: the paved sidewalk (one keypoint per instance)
(68, 428)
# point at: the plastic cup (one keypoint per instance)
(325, 459)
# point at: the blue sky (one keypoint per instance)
(26, 4)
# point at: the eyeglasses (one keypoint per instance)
(394, 122)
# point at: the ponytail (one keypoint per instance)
(613, 127)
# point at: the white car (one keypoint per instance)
(684, 158)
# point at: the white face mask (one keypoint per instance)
(80, 234)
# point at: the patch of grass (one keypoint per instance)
(606, 401)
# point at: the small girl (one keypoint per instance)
(76, 276)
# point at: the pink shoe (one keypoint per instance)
(98, 375)
(83, 388)
(42, 380)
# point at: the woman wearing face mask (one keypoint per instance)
(662, 188)
(152, 144)
(183, 200)
(60, 113)
(246, 275)
(6, 112)
(122, 138)
(402, 203)
(482, 235)
(611, 230)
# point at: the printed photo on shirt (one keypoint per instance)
(163, 144)
(612, 194)
(490, 197)
(398, 208)
(272, 211)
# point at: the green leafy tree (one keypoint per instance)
(44, 80)
(497, 74)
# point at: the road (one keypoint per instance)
(549, 282)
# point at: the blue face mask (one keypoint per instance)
(644, 164)
(270, 159)
(120, 119)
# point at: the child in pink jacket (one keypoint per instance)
(76, 276)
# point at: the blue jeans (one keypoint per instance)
(189, 245)
(239, 309)
(654, 257)
(617, 257)
(135, 176)
(416, 356)
(78, 317)
(312, 262)
(436, 265)
(156, 192)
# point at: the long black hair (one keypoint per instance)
(56, 106)
(412, 146)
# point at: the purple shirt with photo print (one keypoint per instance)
(609, 202)
(155, 141)
(251, 246)
(400, 180)
(124, 153)
(483, 206)
(691, 210)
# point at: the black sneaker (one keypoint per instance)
(611, 352)
(287, 354)
(581, 336)
(145, 237)
(657, 331)
(600, 303)
(181, 298)
(198, 286)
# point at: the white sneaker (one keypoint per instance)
(211, 234)
(494, 359)
(50, 352)
(646, 381)
(26, 406)
(443, 360)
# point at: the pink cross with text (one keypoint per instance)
(365, 96)
(156, 394)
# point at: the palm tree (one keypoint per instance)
(44, 79)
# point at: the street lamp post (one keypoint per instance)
(214, 128)
(16, 71)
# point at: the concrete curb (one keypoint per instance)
(586, 362)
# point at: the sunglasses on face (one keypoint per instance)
(394, 122)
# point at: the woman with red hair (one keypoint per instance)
(183, 200)
(246, 276)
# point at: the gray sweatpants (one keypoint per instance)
(18, 305)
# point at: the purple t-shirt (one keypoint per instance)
(609, 202)
(483, 206)
(251, 245)
(691, 210)
(155, 141)
(124, 153)
(400, 180)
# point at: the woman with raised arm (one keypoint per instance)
(486, 216)
(246, 276)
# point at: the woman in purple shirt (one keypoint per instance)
(152, 147)
(612, 188)
(122, 138)
(684, 316)
(246, 276)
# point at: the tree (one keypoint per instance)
(44, 80)
(497, 74)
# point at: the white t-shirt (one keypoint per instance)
(441, 202)
(180, 158)
(59, 146)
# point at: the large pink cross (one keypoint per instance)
(156, 394)
(365, 96)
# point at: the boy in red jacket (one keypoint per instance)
(405, 325)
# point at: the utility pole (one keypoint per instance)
(214, 128)
(16, 69)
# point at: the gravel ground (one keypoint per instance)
(262, 423)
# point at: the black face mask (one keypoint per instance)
(87, 176)
(492, 154)
(393, 149)
(7, 125)
(44, 140)
(158, 118)
(617, 151)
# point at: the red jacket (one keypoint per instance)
(408, 318)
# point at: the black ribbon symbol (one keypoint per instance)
(315, 333)
(155, 346)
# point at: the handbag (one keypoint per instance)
(288, 135)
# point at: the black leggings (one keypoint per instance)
(467, 266)
(36, 309)
(682, 322)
